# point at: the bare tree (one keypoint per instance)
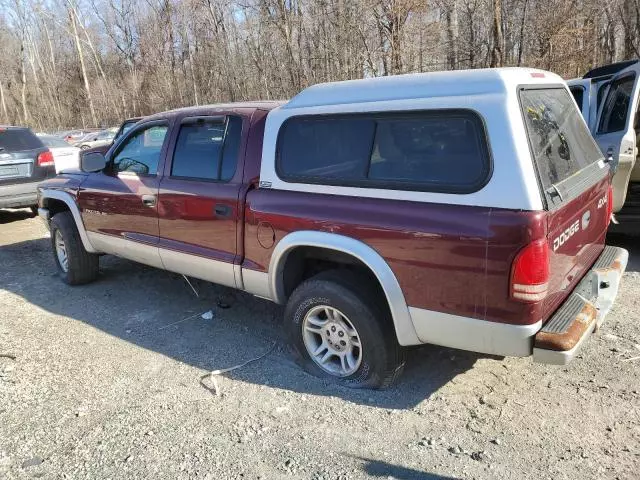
(497, 49)
(73, 18)
(72, 62)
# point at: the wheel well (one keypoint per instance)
(303, 263)
(55, 206)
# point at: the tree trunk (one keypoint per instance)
(451, 17)
(192, 67)
(626, 18)
(521, 37)
(87, 87)
(497, 51)
(23, 83)
(3, 103)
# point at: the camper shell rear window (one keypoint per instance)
(559, 139)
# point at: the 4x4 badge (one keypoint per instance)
(586, 218)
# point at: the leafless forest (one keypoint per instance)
(81, 63)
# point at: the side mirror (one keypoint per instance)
(92, 162)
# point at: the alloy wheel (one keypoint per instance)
(332, 341)
(61, 251)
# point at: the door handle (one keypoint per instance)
(149, 200)
(222, 210)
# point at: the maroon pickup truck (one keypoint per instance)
(465, 209)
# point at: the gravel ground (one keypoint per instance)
(106, 383)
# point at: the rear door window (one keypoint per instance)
(16, 140)
(560, 141)
(207, 149)
(439, 151)
(601, 89)
(616, 106)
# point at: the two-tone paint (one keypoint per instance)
(443, 261)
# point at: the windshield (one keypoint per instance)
(560, 141)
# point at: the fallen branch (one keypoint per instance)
(631, 359)
(183, 320)
(192, 288)
(216, 390)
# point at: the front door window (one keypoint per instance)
(140, 153)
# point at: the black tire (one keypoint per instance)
(82, 266)
(353, 295)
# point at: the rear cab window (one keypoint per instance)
(436, 151)
(564, 152)
(18, 139)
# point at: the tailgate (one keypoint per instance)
(577, 232)
(574, 181)
(18, 165)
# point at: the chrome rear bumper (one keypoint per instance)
(583, 312)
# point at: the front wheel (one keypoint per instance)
(75, 265)
(339, 329)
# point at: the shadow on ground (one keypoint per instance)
(631, 243)
(158, 311)
(10, 216)
(380, 469)
(151, 308)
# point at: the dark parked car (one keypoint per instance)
(24, 162)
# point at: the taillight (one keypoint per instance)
(609, 204)
(45, 159)
(530, 272)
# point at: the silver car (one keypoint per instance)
(96, 139)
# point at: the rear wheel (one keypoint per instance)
(75, 265)
(340, 329)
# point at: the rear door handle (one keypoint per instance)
(149, 200)
(222, 210)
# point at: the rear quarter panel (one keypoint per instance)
(447, 258)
